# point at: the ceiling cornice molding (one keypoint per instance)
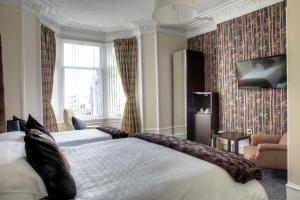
(201, 28)
(150, 26)
(110, 36)
(69, 33)
(208, 20)
(11, 2)
(49, 15)
(177, 30)
(236, 8)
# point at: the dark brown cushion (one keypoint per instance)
(34, 124)
(22, 123)
(47, 161)
(78, 124)
(37, 133)
(114, 132)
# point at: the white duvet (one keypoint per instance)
(79, 137)
(133, 169)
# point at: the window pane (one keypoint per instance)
(78, 55)
(83, 92)
(68, 54)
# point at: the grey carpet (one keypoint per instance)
(274, 183)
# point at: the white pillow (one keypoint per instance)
(18, 179)
(13, 136)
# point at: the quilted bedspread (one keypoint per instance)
(240, 169)
(134, 169)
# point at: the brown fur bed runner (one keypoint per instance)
(240, 169)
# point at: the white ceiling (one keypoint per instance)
(109, 14)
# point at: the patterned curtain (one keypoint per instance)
(2, 102)
(126, 55)
(48, 53)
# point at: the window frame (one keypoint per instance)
(102, 66)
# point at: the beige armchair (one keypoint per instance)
(268, 151)
(68, 114)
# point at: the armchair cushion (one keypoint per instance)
(283, 139)
(264, 138)
(68, 114)
(267, 151)
(272, 147)
(250, 152)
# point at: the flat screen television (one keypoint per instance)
(269, 72)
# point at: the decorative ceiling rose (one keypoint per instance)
(174, 11)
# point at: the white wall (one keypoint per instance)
(20, 32)
(10, 31)
(33, 80)
(157, 50)
(293, 30)
(149, 81)
(167, 45)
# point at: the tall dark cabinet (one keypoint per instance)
(195, 112)
(188, 77)
(206, 116)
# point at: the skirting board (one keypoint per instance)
(293, 191)
(178, 131)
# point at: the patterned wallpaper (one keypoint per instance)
(255, 35)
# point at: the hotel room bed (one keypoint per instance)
(65, 138)
(79, 137)
(134, 169)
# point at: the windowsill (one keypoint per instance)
(84, 117)
(91, 120)
(96, 119)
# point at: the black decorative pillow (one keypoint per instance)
(46, 160)
(34, 124)
(22, 123)
(78, 124)
(47, 138)
(114, 132)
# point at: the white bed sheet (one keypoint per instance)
(79, 137)
(17, 136)
(133, 169)
(65, 138)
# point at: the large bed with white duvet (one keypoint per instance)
(125, 169)
(133, 169)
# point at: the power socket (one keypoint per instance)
(249, 131)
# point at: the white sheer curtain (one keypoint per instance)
(116, 94)
(57, 95)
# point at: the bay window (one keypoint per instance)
(92, 85)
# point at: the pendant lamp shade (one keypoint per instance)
(174, 11)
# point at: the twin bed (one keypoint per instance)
(64, 139)
(134, 169)
(79, 137)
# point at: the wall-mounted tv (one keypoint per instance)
(269, 72)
